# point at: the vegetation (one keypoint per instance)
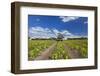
(79, 45)
(60, 37)
(59, 52)
(36, 47)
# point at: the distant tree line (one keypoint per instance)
(77, 38)
(59, 38)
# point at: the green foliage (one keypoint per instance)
(59, 52)
(79, 45)
(36, 47)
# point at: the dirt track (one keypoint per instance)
(72, 53)
(45, 55)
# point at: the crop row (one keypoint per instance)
(80, 46)
(59, 52)
(36, 47)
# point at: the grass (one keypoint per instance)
(36, 47)
(59, 52)
(79, 45)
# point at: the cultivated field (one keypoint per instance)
(52, 49)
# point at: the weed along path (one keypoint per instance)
(53, 50)
(46, 54)
(72, 53)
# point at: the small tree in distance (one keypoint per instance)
(60, 37)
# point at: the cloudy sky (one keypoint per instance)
(40, 26)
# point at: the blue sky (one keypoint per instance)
(49, 26)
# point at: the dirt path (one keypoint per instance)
(45, 55)
(72, 53)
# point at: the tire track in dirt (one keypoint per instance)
(72, 53)
(45, 55)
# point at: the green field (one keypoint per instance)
(36, 47)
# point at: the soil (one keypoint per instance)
(72, 53)
(46, 54)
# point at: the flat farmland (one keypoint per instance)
(53, 50)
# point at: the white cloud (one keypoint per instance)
(85, 22)
(39, 32)
(55, 31)
(67, 19)
(66, 33)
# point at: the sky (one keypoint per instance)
(43, 26)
